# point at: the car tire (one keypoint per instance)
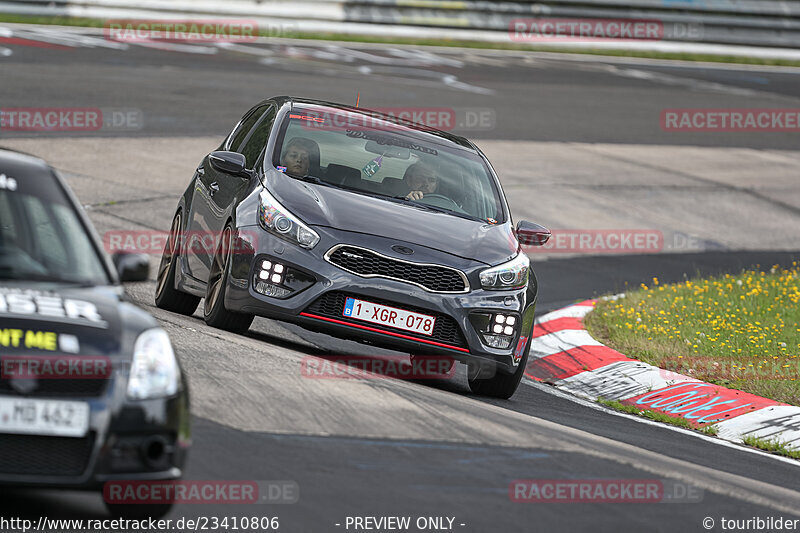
(214, 311)
(138, 512)
(167, 296)
(500, 384)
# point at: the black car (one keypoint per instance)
(359, 225)
(90, 389)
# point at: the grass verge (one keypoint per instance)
(740, 332)
(646, 413)
(98, 23)
(772, 446)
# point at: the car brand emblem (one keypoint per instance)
(405, 250)
(352, 256)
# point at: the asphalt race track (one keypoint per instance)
(578, 144)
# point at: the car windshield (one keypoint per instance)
(42, 238)
(369, 155)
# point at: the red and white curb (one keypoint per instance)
(563, 354)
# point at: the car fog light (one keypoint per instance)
(263, 275)
(499, 319)
(266, 265)
(497, 341)
(268, 289)
(508, 330)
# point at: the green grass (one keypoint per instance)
(772, 446)
(98, 23)
(711, 430)
(646, 413)
(740, 332)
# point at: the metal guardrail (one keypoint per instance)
(770, 23)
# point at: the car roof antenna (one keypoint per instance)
(358, 98)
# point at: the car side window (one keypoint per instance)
(255, 144)
(244, 128)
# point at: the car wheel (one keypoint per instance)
(499, 384)
(138, 512)
(214, 311)
(167, 296)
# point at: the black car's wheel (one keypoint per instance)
(499, 384)
(167, 296)
(214, 311)
(138, 512)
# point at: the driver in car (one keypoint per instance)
(421, 180)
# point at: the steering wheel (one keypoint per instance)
(448, 202)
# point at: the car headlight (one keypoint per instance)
(276, 219)
(510, 275)
(154, 371)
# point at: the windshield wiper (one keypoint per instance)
(309, 179)
(436, 209)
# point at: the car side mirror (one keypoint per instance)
(131, 267)
(229, 162)
(532, 234)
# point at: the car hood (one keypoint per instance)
(56, 319)
(348, 211)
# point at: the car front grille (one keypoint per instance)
(44, 456)
(445, 329)
(55, 388)
(362, 262)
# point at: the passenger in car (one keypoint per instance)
(301, 157)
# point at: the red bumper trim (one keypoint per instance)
(367, 328)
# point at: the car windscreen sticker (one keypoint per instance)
(308, 118)
(49, 341)
(373, 166)
(7, 183)
(29, 303)
(281, 169)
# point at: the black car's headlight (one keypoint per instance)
(276, 219)
(510, 275)
(154, 370)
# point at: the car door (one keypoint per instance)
(212, 199)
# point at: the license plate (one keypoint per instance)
(389, 316)
(44, 417)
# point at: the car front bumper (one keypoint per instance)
(319, 305)
(127, 441)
